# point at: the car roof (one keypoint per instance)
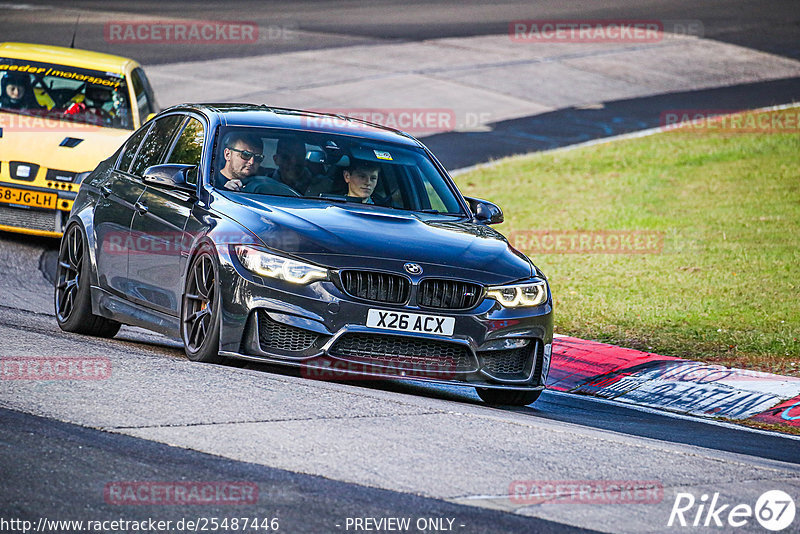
(67, 56)
(229, 114)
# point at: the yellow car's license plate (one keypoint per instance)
(37, 199)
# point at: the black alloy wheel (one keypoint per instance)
(200, 311)
(73, 304)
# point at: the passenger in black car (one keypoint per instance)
(361, 179)
(290, 158)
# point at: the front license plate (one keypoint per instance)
(411, 322)
(36, 199)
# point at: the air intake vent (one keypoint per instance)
(275, 335)
(514, 364)
(71, 142)
(407, 353)
(55, 175)
(32, 219)
(448, 294)
(378, 287)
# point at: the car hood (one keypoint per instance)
(352, 236)
(37, 140)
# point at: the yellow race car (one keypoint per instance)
(62, 111)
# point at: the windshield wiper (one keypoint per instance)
(332, 198)
(437, 212)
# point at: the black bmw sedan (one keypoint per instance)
(303, 239)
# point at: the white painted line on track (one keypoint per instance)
(23, 7)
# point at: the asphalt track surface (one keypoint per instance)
(575, 125)
(54, 488)
(767, 25)
(57, 469)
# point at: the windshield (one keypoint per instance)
(331, 168)
(65, 93)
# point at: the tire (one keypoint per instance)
(72, 296)
(200, 312)
(507, 397)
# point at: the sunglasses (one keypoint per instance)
(246, 155)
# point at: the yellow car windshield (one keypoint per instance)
(66, 93)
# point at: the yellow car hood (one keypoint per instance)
(38, 141)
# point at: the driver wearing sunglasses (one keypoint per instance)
(243, 156)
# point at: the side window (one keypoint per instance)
(129, 151)
(156, 143)
(145, 100)
(188, 148)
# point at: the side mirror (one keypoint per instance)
(170, 175)
(485, 211)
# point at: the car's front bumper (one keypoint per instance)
(31, 219)
(322, 330)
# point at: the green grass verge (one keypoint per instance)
(725, 286)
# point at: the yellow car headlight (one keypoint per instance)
(266, 264)
(518, 295)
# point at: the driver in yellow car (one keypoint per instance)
(17, 92)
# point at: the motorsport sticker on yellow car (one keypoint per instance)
(37, 199)
(411, 322)
(108, 79)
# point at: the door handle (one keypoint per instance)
(105, 190)
(140, 208)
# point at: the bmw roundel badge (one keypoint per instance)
(412, 268)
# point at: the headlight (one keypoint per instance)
(515, 295)
(266, 264)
